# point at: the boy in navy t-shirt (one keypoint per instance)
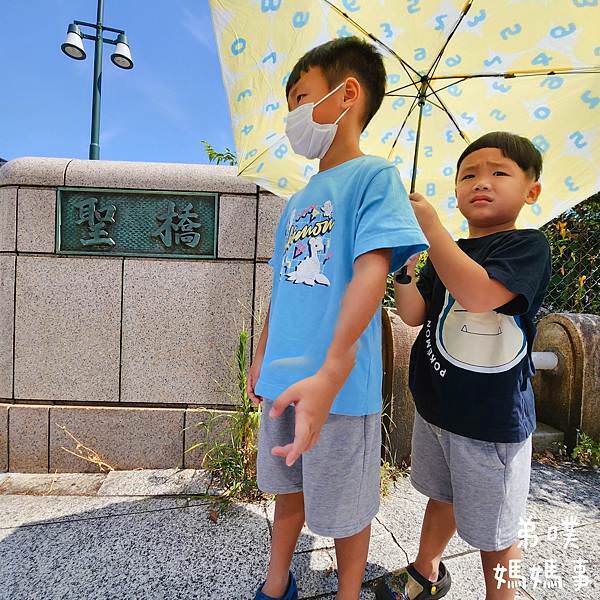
(317, 368)
(471, 365)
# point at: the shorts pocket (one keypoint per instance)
(494, 454)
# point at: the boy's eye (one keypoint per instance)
(500, 173)
(469, 176)
(299, 97)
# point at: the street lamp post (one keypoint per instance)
(121, 57)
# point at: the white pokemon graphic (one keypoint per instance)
(308, 270)
(488, 342)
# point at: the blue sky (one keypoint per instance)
(158, 111)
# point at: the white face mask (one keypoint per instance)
(306, 137)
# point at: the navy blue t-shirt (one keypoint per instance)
(470, 372)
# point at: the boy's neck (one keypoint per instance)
(477, 232)
(343, 149)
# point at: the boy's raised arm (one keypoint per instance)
(467, 281)
(314, 395)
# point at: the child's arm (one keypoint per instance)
(314, 395)
(466, 280)
(255, 367)
(410, 304)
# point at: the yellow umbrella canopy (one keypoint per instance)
(455, 71)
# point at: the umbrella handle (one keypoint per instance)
(402, 277)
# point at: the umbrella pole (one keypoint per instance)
(402, 276)
(416, 156)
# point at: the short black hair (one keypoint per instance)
(518, 148)
(342, 57)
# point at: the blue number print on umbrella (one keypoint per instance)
(300, 19)
(536, 209)
(420, 53)
(496, 60)
(447, 171)
(452, 202)
(560, 32)
(452, 61)
(351, 5)
(541, 112)
(343, 32)
(439, 20)
(244, 94)
(552, 82)
(587, 97)
(282, 182)
(477, 18)
(246, 129)
(541, 59)
(238, 46)
(387, 30)
(398, 102)
(571, 184)
(584, 3)
(454, 90)
(269, 5)
(270, 57)
(541, 143)
(498, 114)
(281, 151)
(412, 6)
(430, 190)
(578, 139)
(508, 31)
(500, 87)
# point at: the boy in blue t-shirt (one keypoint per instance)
(470, 367)
(317, 368)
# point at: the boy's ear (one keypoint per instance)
(352, 91)
(533, 193)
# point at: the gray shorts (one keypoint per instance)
(486, 482)
(339, 476)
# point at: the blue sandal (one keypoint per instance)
(291, 593)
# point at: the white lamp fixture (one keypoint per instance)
(73, 45)
(122, 54)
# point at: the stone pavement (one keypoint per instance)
(146, 534)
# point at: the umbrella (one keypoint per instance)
(456, 70)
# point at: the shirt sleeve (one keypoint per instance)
(522, 264)
(425, 281)
(385, 219)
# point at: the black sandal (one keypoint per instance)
(408, 584)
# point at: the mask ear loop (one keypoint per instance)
(338, 119)
(333, 91)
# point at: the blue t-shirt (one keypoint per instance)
(342, 213)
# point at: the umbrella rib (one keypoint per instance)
(261, 154)
(438, 58)
(406, 66)
(524, 73)
(450, 116)
(410, 110)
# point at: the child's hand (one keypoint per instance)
(424, 211)
(411, 265)
(252, 378)
(313, 398)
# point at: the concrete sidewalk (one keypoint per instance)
(143, 534)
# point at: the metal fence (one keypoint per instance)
(575, 241)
